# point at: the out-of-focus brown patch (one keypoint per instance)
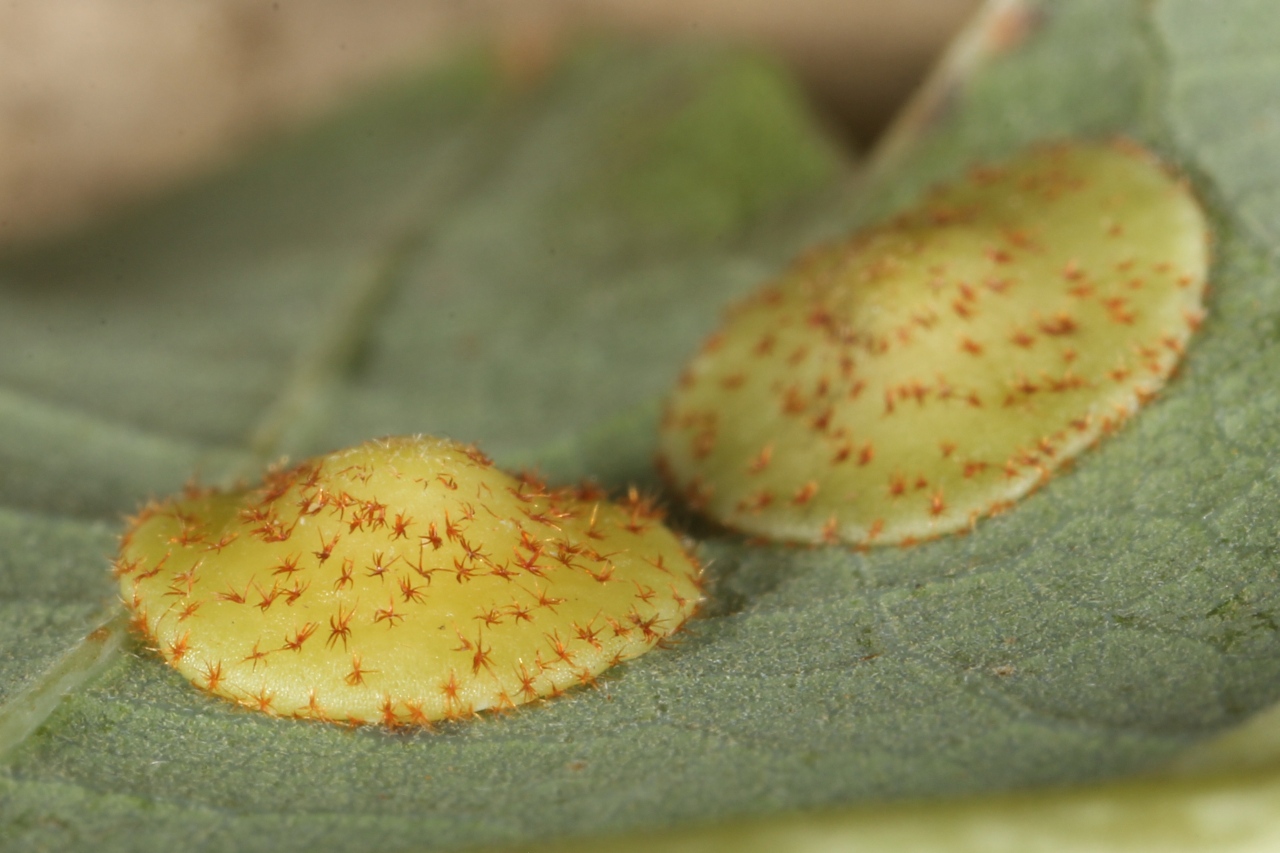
(1012, 27)
(527, 49)
(96, 112)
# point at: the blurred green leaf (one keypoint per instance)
(528, 268)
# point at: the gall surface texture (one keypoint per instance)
(399, 582)
(932, 370)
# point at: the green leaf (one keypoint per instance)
(529, 268)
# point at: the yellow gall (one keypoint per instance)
(400, 582)
(929, 371)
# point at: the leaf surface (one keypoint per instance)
(529, 268)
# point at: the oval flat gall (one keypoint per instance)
(401, 581)
(929, 371)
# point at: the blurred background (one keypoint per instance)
(106, 101)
